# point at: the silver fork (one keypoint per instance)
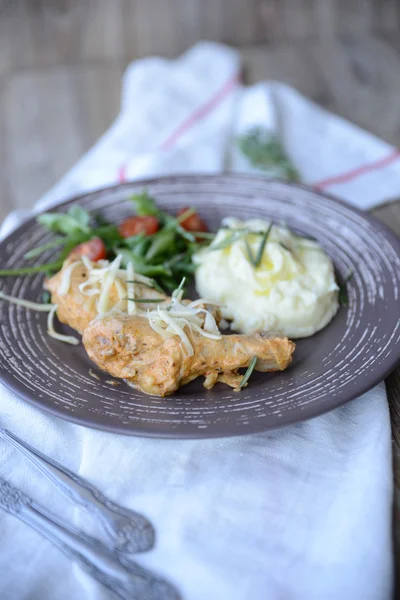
(126, 530)
(126, 578)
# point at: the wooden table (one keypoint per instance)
(53, 109)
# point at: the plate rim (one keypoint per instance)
(309, 411)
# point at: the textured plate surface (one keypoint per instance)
(357, 350)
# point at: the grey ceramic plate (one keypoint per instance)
(357, 350)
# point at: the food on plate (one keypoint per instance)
(158, 244)
(83, 289)
(266, 278)
(157, 343)
(113, 283)
(133, 348)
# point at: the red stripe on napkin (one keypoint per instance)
(345, 177)
(201, 112)
(122, 173)
(192, 119)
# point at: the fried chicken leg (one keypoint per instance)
(127, 347)
(76, 309)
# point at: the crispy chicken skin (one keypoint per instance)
(77, 310)
(126, 346)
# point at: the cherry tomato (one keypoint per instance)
(134, 225)
(94, 249)
(192, 223)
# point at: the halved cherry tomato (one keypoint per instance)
(192, 223)
(134, 225)
(94, 249)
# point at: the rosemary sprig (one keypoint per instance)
(248, 373)
(256, 261)
(146, 300)
(250, 253)
(262, 246)
(343, 296)
(265, 151)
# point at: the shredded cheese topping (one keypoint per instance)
(69, 339)
(174, 319)
(27, 303)
(102, 277)
(167, 319)
(50, 308)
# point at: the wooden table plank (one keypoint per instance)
(293, 65)
(362, 74)
(51, 118)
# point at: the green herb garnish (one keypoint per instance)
(75, 220)
(164, 256)
(153, 284)
(46, 297)
(262, 246)
(146, 300)
(57, 242)
(178, 290)
(250, 253)
(230, 238)
(49, 267)
(343, 295)
(265, 151)
(248, 373)
(145, 205)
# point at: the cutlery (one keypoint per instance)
(126, 578)
(126, 530)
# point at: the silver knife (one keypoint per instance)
(126, 530)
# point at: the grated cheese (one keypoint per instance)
(178, 316)
(50, 308)
(66, 278)
(26, 303)
(108, 282)
(69, 339)
(103, 276)
(130, 287)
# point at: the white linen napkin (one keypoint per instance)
(299, 513)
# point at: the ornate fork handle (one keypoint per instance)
(126, 530)
(126, 578)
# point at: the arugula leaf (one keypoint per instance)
(80, 215)
(50, 267)
(141, 266)
(162, 241)
(74, 221)
(58, 241)
(145, 205)
(265, 151)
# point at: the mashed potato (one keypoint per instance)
(292, 291)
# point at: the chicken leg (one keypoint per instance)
(127, 347)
